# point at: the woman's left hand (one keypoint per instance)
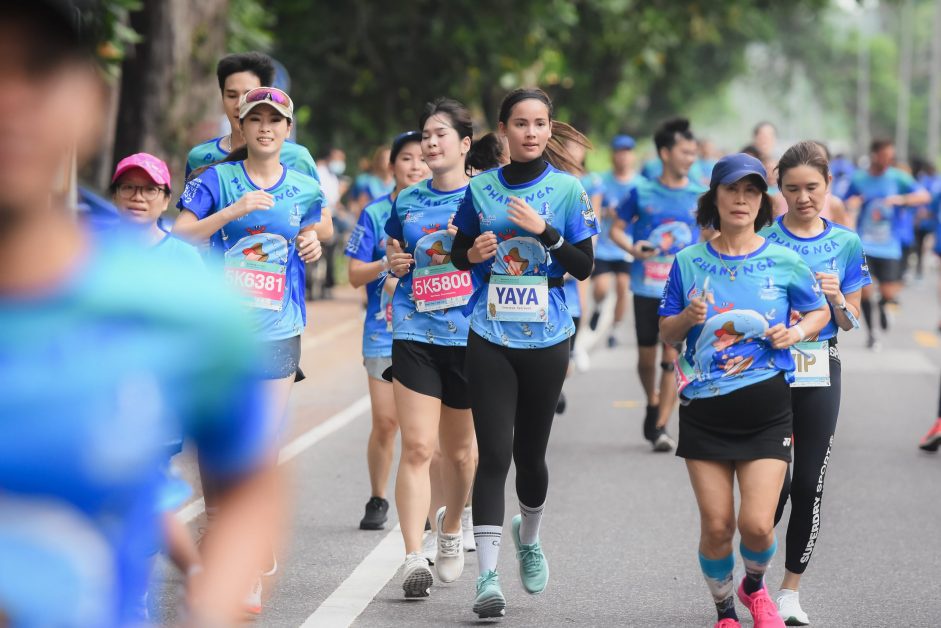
(782, 337)
(308, 246)
(830, 285)
(524, 216)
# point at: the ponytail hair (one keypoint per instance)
(556, 152)
(486, 153)
(239, 154)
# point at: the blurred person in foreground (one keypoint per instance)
(109, 349)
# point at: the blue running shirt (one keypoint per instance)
(293, 156)
(368, 244)
(419, 221)
(265, 236)
(572, 299)
(729, 351)
(614, 194)
(881, 226)
(836, 250)
(563, 203)
(97, 373)
(665, 217)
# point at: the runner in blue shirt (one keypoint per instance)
(879, 196)
(611, 259)
(525, 225)
(429, 336)
(926, 218)
(264, 215)
(835, 254)
(730, 300)
(137, 354)
(369, 267)
(237, 74)
(660, 216)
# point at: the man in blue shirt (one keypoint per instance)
(880, 196)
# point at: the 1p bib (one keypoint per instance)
(811, 364)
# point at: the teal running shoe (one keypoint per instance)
(534, 568)
(489, 602)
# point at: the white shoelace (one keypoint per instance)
(449, 546)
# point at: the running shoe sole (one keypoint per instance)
(793, 621)
(418, 583)
(364, 525)
(932, 444)
(491, 607)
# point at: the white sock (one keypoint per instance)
(529, 526)
(488, 547)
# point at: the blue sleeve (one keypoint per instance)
(315, 212)
(627, 210)
(305, 163)
(857, 274)
(803, 292)
(201, 195)
(673, 302)
(851, 190)
(363, 239)
(466, 219)
(907, 183)
(580, 222)
(394, 225)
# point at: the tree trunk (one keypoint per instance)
(169, 98)
(906, 50)
(934, 89)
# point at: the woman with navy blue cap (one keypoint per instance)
(730, 300)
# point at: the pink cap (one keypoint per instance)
(154, 167)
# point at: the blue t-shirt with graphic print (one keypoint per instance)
(562, 202)
(615, 192)
(262, 236)
(881, 226)
(836, 250)
(665, 217)
(368, 244)
(419, 221)
(730, 350)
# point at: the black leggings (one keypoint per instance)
(815, 415)
(513, 397)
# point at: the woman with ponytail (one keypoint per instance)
(522, 227)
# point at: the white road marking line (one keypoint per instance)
(330, 334)
(297, 446)
(356, 592)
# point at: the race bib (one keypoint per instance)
(260, 284)
(522, 299)
(811, 364)
(877, 231)
(657, 270)
(441, 287)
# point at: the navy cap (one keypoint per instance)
(623, 142)
(732, 168)
(400, 141)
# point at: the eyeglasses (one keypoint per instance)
(268, 93)
(149, 192)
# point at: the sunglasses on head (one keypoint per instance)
(273, 94)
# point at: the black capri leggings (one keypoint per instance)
(815, 415)
(513, 398)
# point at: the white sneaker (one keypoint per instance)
(467, 529)
(582, 361)
(253, 599)
(416, 576)
(449, 562)
(664, 442)
(789, 608)
(429, 546)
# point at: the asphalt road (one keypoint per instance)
(621, 528)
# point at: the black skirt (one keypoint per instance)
(750, 423)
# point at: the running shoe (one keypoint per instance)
(932, 440)
(650, 423)
(789, 608)
(489, 602)
(762, 608)
(663, 442)
(449, 562)
(467, 529)
(377, 511)
(416, 576)
(582, 361)
(534, 568)
(429, 546)
(253, 600)
(728, 622)
(560, 404)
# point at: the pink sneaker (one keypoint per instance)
(727, 623)
(762, 608)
